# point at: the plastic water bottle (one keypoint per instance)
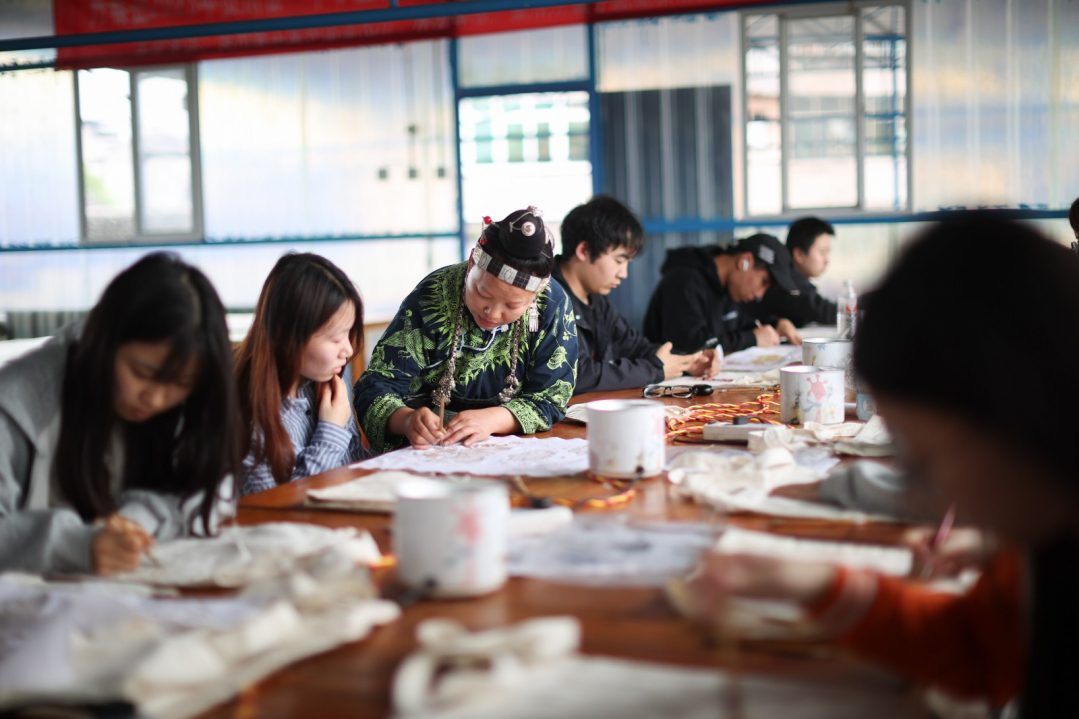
(847, 313)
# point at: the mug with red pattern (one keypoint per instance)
(451, 537)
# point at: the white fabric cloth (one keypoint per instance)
(240, 556)
(894, 561)
(533, 671)
(172, 658)
(772, 468)
(870, 439)
(737, 482)
(493, 457)
(371, 493)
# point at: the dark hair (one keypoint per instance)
(185, 450)
(1073, 216)
(301, 294)
(498, 238)
(932, 332)
(603, 223)
(804, 232)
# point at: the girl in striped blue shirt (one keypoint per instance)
(308, 324)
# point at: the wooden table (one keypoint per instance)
(353, 681)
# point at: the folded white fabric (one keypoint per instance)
(238, 556)
(533, 671)
(375, 492)
(481, 662)
(895, 561)
(870, 439)
(172, 658)
(493, 457)
(739, 482)
(774, 467)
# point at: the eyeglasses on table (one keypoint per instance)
(682, 391)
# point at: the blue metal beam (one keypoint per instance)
(455, 84)
(655, 226)
(393, 13)
(493, 90)
(226, 242)
(295, 22)
(41, 65)
(595, 132)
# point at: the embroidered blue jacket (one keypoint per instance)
(408, 361)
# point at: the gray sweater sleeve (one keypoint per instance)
(47, 540)
(169, 516)
(873, 487)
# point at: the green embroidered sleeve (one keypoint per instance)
(552, 371)
(394, 371)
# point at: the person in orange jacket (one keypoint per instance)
(1001, 450)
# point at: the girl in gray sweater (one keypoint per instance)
(121, 430)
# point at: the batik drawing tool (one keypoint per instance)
(938, 541)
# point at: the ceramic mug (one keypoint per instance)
(626, 438)
(821, 352)
(452, 536)
(811, 394)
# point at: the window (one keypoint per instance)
(524, 149)
(825, 110)
(138, 151)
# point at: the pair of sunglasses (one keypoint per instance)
(682, 391)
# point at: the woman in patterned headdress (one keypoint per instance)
(492, 339)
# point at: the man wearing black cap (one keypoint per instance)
(809, 240)
(700, 299)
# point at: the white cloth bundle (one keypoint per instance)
(172, 658)
(493, 457)
(374, 492)
(871, 439)
(239, 556)
(742, 483)
(533, 671)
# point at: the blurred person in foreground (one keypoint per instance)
(976, 439)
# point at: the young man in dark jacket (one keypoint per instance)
(599, 238)
(705, 293)
(809, 240)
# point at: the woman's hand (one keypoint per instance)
(420, 426)
(476, 425)
(119, 545)
(333, 404)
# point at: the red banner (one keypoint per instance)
(91, 16)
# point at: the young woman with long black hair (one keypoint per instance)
(970, 308)
(121, 430)
(308, 324)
